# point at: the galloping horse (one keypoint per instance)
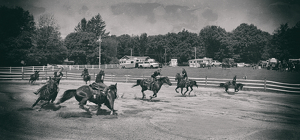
(87, 91)
(181, 83)
(47, 92)
(155, 87)
(34, 77)
(86, 77)
(228, 84)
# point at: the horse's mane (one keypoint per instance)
(113, 87)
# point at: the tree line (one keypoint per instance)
(26, 42)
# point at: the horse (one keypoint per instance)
(155, 86)
(87, 91)
(181, 83)
(47, 92)
(237, 86)
(34, 77)
(86, 77)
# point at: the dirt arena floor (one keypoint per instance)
(208, 113)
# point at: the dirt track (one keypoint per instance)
(209, 113)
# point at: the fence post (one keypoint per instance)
(205, 81)
(46, 75)
(32, 68)
(265, 86)
(22, 74)
(43, 68)
(9, 69)
(105, 66)
(66, 75)
(111, 77)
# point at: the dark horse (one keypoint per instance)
(86, 77)
(181, 83)
(34, 77)
(87, 91)
(48, 92)
(155, 87)
(227, 85)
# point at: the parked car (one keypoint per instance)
(216, 63)
(247, 65)
(147, 64)
(240, 64)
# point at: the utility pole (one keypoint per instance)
(100, 51)
(165, 56)
(195, 52)
(131, 53)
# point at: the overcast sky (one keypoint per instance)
(154, 17)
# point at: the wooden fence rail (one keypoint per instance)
(261, 85)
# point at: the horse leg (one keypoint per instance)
(187, 89)
(144, 95)
(191, 90)
(98, 109)
(181, 90)
(154, 95)
(36, 102)
(176, 89)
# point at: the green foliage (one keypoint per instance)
(82, 48)
(16, 30)
(95, 25)
(48, 46)
(21, 40)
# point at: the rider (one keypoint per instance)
(153, 77)
(85, 72)
(184, 74)
(59, 76)
(234, 80)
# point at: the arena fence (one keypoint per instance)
(23, 73)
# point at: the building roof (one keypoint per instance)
(135, 57)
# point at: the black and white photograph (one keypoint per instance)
(150, 69)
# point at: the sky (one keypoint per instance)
(154, 17)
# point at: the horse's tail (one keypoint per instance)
(138, 82)
(195, 83)
(68, 94)
(241, 86)
(222, 84)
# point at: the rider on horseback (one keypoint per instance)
(153, 78)
(56, 78)
(234, 80)
(59, 76)
(85, 72)
(98, 85)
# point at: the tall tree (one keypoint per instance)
(48, 45)
(109, 47)
(250, 42)
(16, 30)
(82, 48)
(212, 36)
(95, 25)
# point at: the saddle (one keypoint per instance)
(97, 90)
